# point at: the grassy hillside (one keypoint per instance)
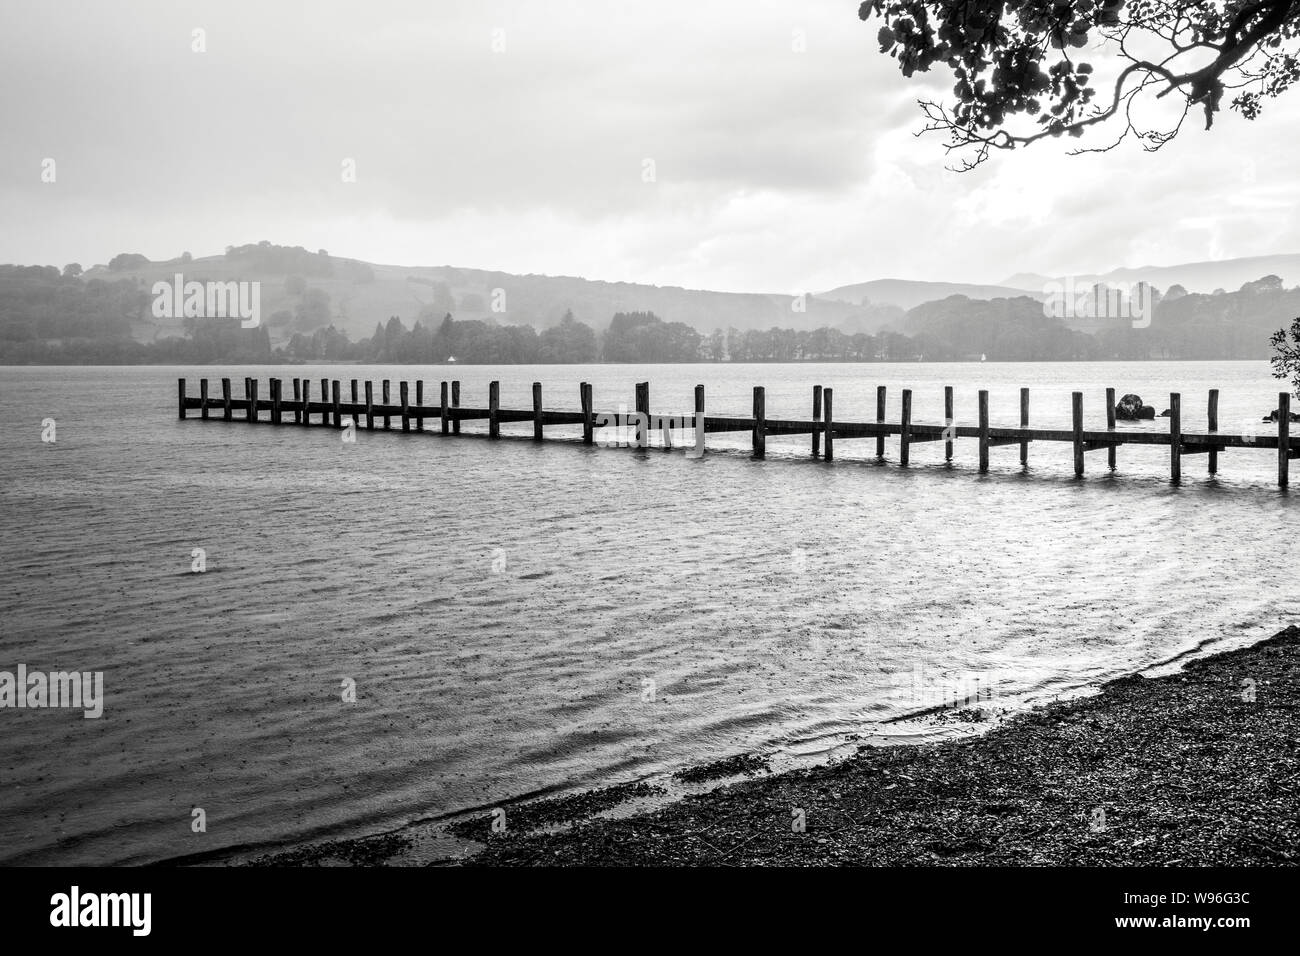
(362, 295)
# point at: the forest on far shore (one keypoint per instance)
(52, 316)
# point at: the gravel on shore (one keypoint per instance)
(1197, 768)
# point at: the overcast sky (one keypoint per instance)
(774, 170)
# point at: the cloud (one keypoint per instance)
(515, 136)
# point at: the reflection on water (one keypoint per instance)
(502, 606)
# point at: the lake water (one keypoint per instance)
(523, 618)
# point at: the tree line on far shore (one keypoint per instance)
(48, 316)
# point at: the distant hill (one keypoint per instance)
(1227, 274)
(1204, 277)
(316, 307)
(362, 295)
(909, 293)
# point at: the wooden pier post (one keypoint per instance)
(537, 411)
(275, 401)
(905, 429)
(385, 398)
(984, 430)
(182, 398)
(356, 406)
(947, 421)
(306, 401)
(588, 423)
(880, 420)
(419, 405)
(404, 395)
(203, 398)
(297, 401)
(455, 403)
(336, 393)
(759, 439)
(1076, 413)
(1110, 425)
(828, 423)
(370, 405)
(325, 400)
(643, 414)
(443, 418)
(1175, 437)
(701, 431)
(817, 417)
(494, 406)
(1213, 417)
(250, 393)
(1024, 423)
(1283, 438)
(225, 399)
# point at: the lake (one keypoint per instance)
(521, 619)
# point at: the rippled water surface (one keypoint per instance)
(521, 618)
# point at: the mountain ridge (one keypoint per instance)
(1203, 276)
(362, 294)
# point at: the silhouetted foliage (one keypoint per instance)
(38, 302)
(124, 261)
(1286, 355)
(644, 337)
(1020, 76)
(266, 257)
(570, 342)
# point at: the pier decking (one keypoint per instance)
(332, 411)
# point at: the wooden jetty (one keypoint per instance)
(446, 416)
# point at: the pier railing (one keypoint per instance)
(332, 410)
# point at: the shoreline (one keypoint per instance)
(1180, 769)
(345, 363)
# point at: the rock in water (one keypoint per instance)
(1128, 408)
(1272, 416)
(1146, 411)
